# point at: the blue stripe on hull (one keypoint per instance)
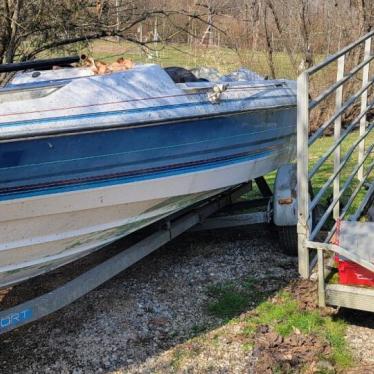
(61, 163)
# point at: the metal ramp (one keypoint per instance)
(342, 175)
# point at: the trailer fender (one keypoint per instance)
(285, 199)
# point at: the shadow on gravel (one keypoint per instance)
(357, 318)
(158, 303)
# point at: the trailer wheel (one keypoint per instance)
(288, 239)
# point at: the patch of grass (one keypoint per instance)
(233, 299)
(285, 316)
(279, 370)
(198, 329)
(191, 56)
(281, 314)
(215, 340)
(247, 347)
(304, 322)
(229, 302)
(318, 149)
(178, 356)
(335, 331)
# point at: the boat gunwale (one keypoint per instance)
(22, 134)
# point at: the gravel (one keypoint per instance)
(156, 304)
(360, 336)
(131, 323)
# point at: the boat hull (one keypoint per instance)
(57, 164)
(74, 180)
(42, 232)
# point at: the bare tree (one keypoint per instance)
(269, 45)
(31, 27)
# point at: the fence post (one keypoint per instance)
(321, 278)
(302, 171)
(364, 102)
(337, 132)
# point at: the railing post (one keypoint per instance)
(302, 172)
(364, 102)
(337, 132)
(321, 279)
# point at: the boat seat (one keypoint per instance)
(182, 75)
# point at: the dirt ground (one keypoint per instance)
(155, 317)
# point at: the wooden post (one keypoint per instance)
(321, 279)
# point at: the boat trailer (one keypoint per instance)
(214, 213)
(280, 207)
(339, 234)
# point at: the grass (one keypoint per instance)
(178, 356)
(285, 317)
(191, 56)
(318, 149)
(282, 314)
(198, 329)
(230, 300)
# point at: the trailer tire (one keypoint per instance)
(288, 239)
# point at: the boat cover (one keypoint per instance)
(140, 95)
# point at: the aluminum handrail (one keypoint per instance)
(322, 96)
(339, 112)
(360, 209)
(347, 132)
(341, 53)
(354, 194)
(348, 204)
(329, 209)
(345, 159)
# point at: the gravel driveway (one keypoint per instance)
(127, 324)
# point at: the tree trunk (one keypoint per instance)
(280, 30)
(269, 46)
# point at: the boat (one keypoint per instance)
(87, 159)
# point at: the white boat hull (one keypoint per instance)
(55, 229)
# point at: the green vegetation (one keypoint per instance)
(190, 56)
(318, 149)
(285, 316)
(198, 329)
(180, 354)
(279, 323)
(231, 300)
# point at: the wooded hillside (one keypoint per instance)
(303, 29)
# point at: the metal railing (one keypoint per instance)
(346, 173)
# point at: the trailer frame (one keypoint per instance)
(309, 235)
